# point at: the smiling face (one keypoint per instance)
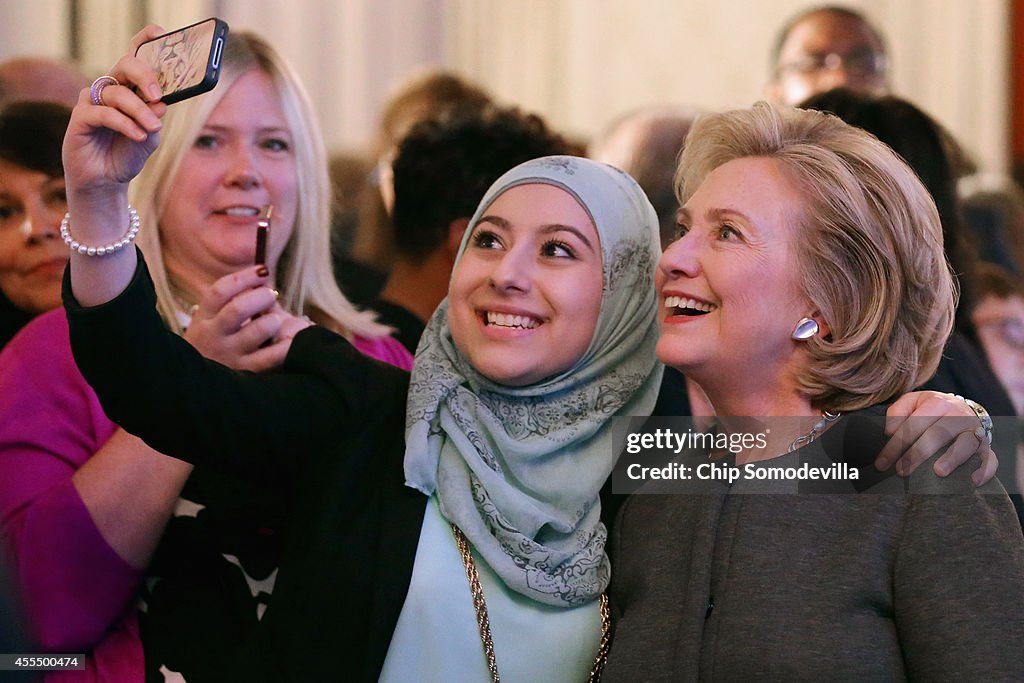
(526, 293)
(32, 255)
(729, 289)
(241, 159)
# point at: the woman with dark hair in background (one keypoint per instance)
(32, 203)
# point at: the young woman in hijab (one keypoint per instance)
(511, 441)
(548, 333)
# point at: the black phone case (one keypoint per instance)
(213, 61)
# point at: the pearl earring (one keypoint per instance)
(805, 329)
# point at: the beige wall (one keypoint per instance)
(583, 61)
(40, 27)
(579, 62)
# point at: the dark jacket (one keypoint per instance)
(322, 432)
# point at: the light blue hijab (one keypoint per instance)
(519, 469)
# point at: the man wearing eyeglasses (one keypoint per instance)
(825, 48)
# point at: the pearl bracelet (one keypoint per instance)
(129, 237)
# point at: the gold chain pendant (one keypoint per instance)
(483, 621)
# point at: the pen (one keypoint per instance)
(263, 234)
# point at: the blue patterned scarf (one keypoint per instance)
(519, 469)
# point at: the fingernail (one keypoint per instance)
(941, 469)
(277, 294)
(976, 479)
(154, 92)
(881, 464)
(263, 271)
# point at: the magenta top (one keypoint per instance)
(386, 349)
(78, 593)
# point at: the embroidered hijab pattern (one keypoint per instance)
(519, 469)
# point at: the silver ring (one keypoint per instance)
(96, 89)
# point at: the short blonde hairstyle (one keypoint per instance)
(304, 274)
(870, 258)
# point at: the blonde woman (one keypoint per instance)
(88, 511)
(809, 281)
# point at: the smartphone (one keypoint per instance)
(187, 61)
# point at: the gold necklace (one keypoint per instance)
(483, 622)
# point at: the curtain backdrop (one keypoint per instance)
(578, 62)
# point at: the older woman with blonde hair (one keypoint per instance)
(304, 274)
(809, 285)
(89, 511)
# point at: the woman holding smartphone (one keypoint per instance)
(88, 512)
